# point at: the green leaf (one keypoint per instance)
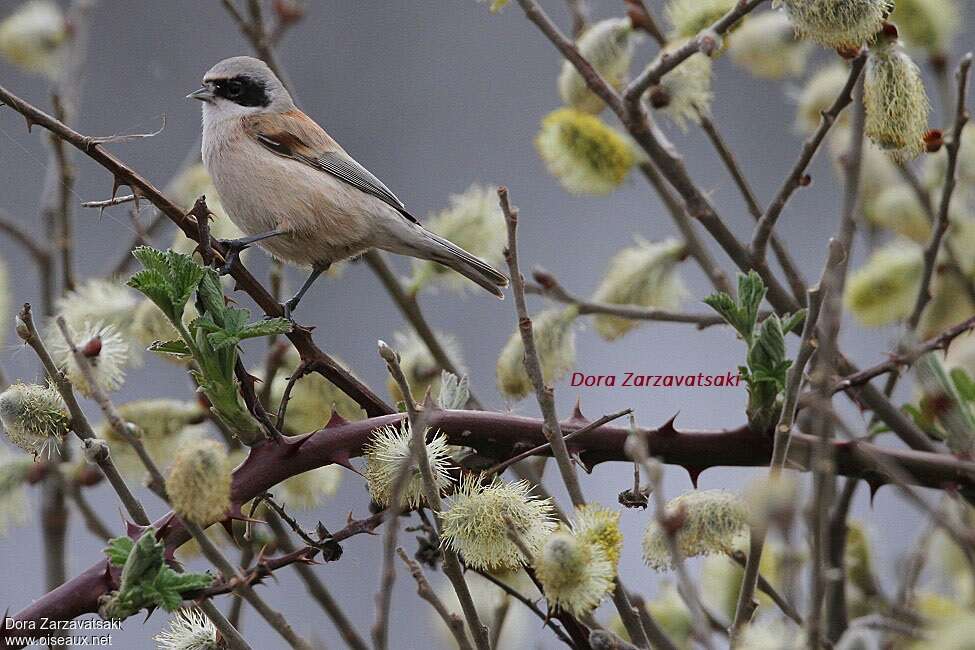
(154, 286)
(210, 293)
(176, 348)
(794, 322)
(144, 561)
(185, 275)
(118, 550)
(751, 293)
(268, 327)
(727, 308)
(204, 323)
(235, 319)
(168, 588)
(963, 383)
(767, 353)
(222, 340)
(152, 259)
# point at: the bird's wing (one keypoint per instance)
(295, 135)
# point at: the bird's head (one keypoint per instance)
(240, 86)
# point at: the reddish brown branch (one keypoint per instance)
(500, 435)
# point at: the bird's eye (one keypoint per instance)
(234, 88)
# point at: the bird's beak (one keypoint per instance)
(204, 94)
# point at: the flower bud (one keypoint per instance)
(199, 482)
(34, 417)
(928, 24)
(608, 47)
(895, 101)
(600, 526)
(155, 419)
(388, 453)
(885, 288)
(585, 155)
(770, 635)
(838, 23)
(107, 353)
(687, 88)
(575, 575)
(479, 518)
(189, 629)
(708, 522)
(474, 222)
(556, 346)
(33, 36)
(936, 166)
(96, 301)
(644, 275)
(688, 17)
(898, 209)
(766, 46)
(309, 489)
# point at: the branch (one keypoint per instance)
(499, 435)
(765, 225)
(953, 146)
(124, 175)
(454, 622)
(550, 287)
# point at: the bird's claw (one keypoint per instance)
(233, 248)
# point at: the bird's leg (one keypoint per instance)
(292, 302)
(236, 246)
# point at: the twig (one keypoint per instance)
(79, 423)
(527, 602)
(668, 62)
(952, 146)
(640, 452)
(40, 252)
(905, 358)
(765, 225)
(642, 19)
(451, 564)
(273, 618)
(118, 200)
(769, 590)
(317, 590)
(592, 426)
(746, 604)
(789, 268)
(544, 394)
(549, 287)
(454, 622)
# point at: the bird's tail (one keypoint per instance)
(450, 255)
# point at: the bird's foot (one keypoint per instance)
(233, 248)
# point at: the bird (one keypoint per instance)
(292, 189)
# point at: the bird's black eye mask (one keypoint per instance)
(241, 90)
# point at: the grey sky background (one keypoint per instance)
(431, 97)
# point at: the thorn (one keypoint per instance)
(577, 412)
(334, 419)
(341, 457)
(874, 486)
(134, 530)
(694, 473)
(667, 429)
(116, 184)
(30, 123)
